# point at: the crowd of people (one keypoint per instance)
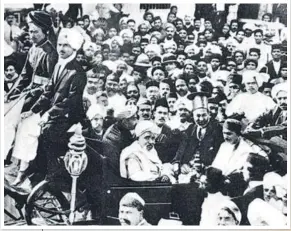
(182, 101)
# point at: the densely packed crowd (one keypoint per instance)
(187, 100)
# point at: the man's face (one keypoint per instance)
(179, 25)
(231, 65)
(63, 48)
(92, 85)
(234, 27)
(112, 32)
(125, 58)
(147, 140)
(258, 37)
(208, 24)
(136, 39)
(102, 100)
(171, 18)
(239, 58)
(86, 22)
(158, 75)
(132, 92)
(111, 86)
(213, 110)
(254, 56)
(131, 122)
(164, 89)
(129, 216)
(190, 39)
(143, 28)
(10, 72)
(251, 66)
(191, 85)
(284, 72)
(202, 67)
(276, 54)
(230, 47)
(35, 33)
(214, 63)
(208, 35)
(183, 113)
(123, 85)
(144, 112)
(201, 117)
(112, 56)
(189, 69)
(131, 25)
(240, 36)
(266, 18)
(183, 35)
(230, 136)
(171, 49)
(81, 24)
(158, 24)
(80, 58)
(137, 76)
(251, 86)
(187, 20)
(171, 103)
(10, 19)
(126, 38)
(197, 24)
(161, 115)
(157, 64)
(170, 32)
(282, 100)
(181, 87)
(225, 219)
(181, 59)
(136, 50)
(97, 123)
(89, 52)
(233, 89)
(120, 68)
(152, 93)
(269, 192)
(170, 66)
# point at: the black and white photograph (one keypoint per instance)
(145, 114)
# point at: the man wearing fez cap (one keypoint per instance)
(168, 140)
(131, 210)
(40, 60)
(266, 89)
(61, 104)
(273, 66)
(257, 104)
(234, 85)
(152, 91)
(234, 151)
(203, 137)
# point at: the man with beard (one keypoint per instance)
(276, 116)
(132, 92)
(203, 139)
(152, 92)
(257, 104)
(131, 210)
(182, 89)
(144, 110)
(170, 32)
(202, 70)
(11, 75)
(168, 140)
(171, 100)
(233, 28)
(91, 88)
(182, 119)
(115, 99)
(188, 25)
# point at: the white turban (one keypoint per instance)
(184, 102)
(232, 207)
(118, 39)
(88, 45)
(126, 31)
(169, 44)
(145, 126)
(277, 88)
(153, 47)
(251, 75)
(125, 112)
(73, 37)
(130, 200)
(94, 110)
(271, 179)
(8, 50)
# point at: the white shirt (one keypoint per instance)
(277, 66)
(63, 62)
(252, 105)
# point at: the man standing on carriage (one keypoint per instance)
(36, 73)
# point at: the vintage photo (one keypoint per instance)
(142, 114)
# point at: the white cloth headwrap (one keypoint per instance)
(73, 36)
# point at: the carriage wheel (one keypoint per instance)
(46, 205)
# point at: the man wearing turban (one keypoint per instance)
(61, 104)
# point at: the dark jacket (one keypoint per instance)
(167, 144)
(207, 147)
(271, 70)
(39, 64)
(63, 96)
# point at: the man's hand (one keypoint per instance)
(44, 119)
(176, 168)
(27, 114)
(185, 169)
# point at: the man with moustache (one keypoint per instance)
(274, 117)
(165, 88)
(182, 119)
(168, 140)
(61, 104)
(132, 91)
(144, 110)
(152, 92)
(131, 210)
(91, 88)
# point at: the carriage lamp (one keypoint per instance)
(76, 162)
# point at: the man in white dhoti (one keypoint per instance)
(252, 103)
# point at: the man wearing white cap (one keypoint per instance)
(131, 210)
(229, 214)
(140, 160)
(61, 105)
(252, 103)
(276, 116)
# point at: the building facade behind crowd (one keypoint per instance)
(195, 99)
